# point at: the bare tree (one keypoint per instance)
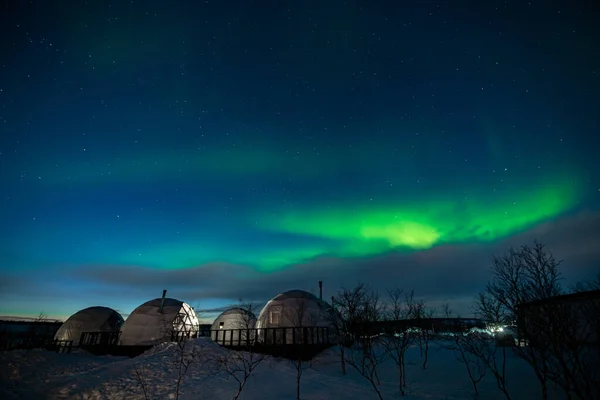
(240, 365)
(556, 331)
(185, 355)
(401, 308)
(425, 333)
(464, 346)
(591, 284)
(300, 316)
(520, 276)
(141, 381)
(359, 308)
(338, 323)
(348, 317)
(446, 310)
(420, 314)
(487, 349)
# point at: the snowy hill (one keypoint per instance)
(38, 374)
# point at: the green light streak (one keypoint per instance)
(189, 255)
(355, 229)
(422, 224)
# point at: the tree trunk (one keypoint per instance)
(400, 386)
(403, 371)
(298, 376)
(544, 390)
(343, 359)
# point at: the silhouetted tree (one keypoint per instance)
(463, 345)
(591, 284)
(491, 350)
(401, 308)
(520, 276)
(300, 315)
(555, 333)
(338, 323)
(358, 309)
(420, 314)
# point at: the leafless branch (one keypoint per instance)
(299, 316)
(357, 309)
(240, 365)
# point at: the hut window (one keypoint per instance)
(275, 317)
(221, 324)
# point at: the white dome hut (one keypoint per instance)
(157, 320)
(91, 319)
(296, 309)
(233, 326)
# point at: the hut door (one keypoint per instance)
(275, 315)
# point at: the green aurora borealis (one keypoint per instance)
(421, 225)
(370, 228)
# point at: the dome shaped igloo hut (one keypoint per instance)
(233, 327)
(157, 321)
(91, 319)
(295, 317)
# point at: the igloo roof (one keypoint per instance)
(91, 319)
(93, 312)
(169, 302)
(235, 310)
(296, 294)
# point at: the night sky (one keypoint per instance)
(238, 149)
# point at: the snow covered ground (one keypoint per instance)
(38, 374)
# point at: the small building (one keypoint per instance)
(309, 316)
(159, 320)
(91, 319)
(234, 326)
(576, 315)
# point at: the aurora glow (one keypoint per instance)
(421, 225)
(144, 147)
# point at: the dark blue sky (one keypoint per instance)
(239, 149)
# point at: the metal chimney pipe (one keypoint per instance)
(321, 291)
(162, 301)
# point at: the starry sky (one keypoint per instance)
(234, 150)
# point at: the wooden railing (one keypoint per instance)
(88, 339)
(301, 336)
(177, 336)
(21, 343)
